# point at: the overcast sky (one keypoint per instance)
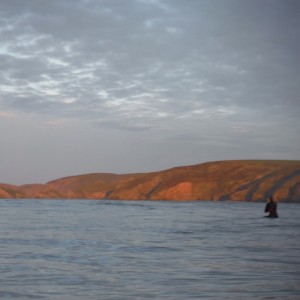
(128, 86)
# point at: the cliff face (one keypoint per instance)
(224, 180)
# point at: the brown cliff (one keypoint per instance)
(223, 180)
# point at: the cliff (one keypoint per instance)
(246, 180)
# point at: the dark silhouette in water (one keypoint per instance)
(271, 208)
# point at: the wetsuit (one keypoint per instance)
(271, 208)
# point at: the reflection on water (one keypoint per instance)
(60, 249)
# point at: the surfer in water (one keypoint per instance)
(271, 208)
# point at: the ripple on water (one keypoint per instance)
(147, 250)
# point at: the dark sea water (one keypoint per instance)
(81, 249)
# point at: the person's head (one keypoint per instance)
(271, 199)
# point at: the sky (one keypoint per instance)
(129, 86)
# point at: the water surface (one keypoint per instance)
(81, 249)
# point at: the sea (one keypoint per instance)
(111, 250)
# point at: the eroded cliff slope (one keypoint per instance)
(223, 180)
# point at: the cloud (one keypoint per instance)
(96, 54)
(6, 114)
(208, 70)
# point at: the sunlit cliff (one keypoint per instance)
(246, 180)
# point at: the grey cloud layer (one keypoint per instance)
(142, 61)
(140, 85)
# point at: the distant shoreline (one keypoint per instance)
(234, 180)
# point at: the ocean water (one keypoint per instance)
(82, 249)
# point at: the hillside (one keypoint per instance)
(246, 180)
